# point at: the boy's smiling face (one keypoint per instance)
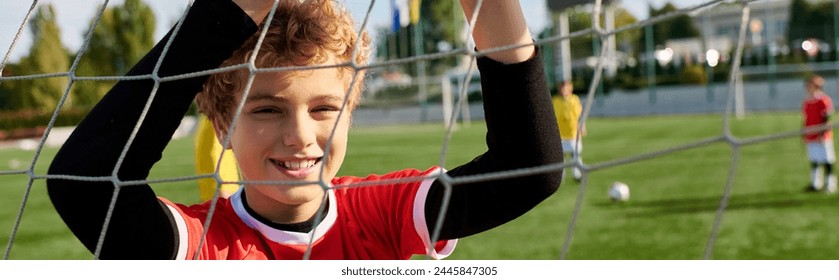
(283, 132)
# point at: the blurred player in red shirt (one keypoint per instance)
(817, 108)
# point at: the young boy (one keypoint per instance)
(568, 109)
(292, 134)
(816, 109)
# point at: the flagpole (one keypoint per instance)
(421, 72)
(394, 29)
(418, 51)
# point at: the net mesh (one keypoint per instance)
(598, 31)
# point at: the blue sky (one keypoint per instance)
(74, 15)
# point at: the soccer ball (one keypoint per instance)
(619, 191)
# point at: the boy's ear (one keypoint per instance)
(220, 130)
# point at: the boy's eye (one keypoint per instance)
(326, 109)
(267, 110)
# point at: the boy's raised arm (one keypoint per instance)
(500, 23)
(521, 129)
(140, 227)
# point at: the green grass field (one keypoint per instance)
(675, 197)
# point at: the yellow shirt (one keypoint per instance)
(207, 152)
(567, 110)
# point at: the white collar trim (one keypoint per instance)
(287, 237)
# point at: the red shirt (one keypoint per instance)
(815, 110)
(385, 221)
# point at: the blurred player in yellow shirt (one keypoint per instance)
(207, 152)
(568, 109)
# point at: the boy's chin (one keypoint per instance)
(293, 194)
(290, 190)
(286, 187)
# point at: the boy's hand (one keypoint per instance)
(256, 9)
(500, 23)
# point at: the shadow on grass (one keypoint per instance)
(747, 201)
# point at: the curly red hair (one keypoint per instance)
(301, 33)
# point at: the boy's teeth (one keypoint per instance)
(297, 164)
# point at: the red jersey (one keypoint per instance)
(815, 110)
(383, 219)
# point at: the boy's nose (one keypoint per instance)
(300, 131)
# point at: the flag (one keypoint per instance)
(404, 14)
(394, 10)
(414, 10)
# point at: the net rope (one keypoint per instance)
(736, 144)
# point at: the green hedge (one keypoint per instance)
(31, 123)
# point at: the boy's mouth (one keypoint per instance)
(295, 165)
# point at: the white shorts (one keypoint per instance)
(821, 152)
(572, 146)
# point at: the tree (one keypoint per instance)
(678, 27)
(579, 18)
(6, 88)
(46, 55)
(811, 20)
(799, 12)
(442, 23)
(124, 34)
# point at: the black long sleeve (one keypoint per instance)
(140, 227)
(521, 132)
